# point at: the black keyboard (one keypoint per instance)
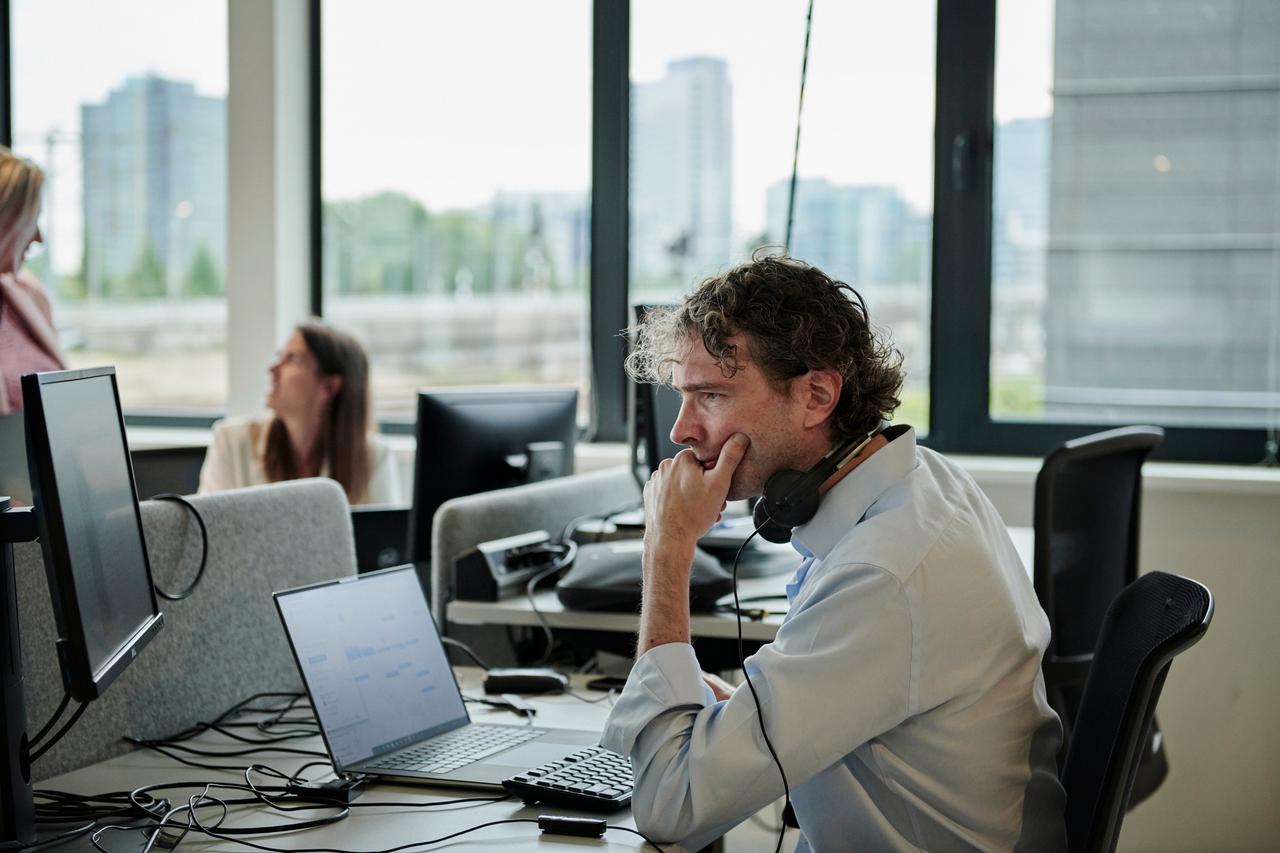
(592, 778)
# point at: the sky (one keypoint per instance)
(452, 102)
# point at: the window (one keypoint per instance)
(1135, 256)
(132, 142)
(456, 154)
(713, 111)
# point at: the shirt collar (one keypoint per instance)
(850, 498)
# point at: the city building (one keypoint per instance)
(1162, 219)
(155, 191)
(681, 174)
(864, 235)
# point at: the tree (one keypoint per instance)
(146, 279)
(204, 278)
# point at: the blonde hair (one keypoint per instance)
(20, 185)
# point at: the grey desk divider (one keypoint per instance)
(463, 523)
(217, 647)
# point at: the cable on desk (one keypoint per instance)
(525, 712)
(65, 836)
(565, 559)
(470, 652)
(164, 748)
(241, 707)
(267, 770)
(647, 839)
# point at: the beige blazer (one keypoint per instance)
(236, 451)
(25, 297)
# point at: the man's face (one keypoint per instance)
(714, 407)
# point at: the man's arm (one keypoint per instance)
(682, 500)
(836, 675)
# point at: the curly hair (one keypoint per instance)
(795, 318)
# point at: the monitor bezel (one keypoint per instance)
(81, 680)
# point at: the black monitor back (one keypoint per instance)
(380, 532)
(167, 470)
(479, 439)
(656, 410)
(90, 525)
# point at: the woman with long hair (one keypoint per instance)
(319, 426)
(28, 341)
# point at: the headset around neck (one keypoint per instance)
(791, 497)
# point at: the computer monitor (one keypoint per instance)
(90, 526)
(474, 440)
(656, 409)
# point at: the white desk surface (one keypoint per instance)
(516, 611)
(366, 828)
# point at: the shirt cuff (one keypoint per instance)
(665, 678)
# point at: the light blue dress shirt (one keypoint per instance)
(902, 693)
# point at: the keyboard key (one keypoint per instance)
(592, 778)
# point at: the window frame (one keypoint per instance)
(960, 379)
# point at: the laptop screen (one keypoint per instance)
(373, 663)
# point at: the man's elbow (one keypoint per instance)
(670, 808)
(662, 816)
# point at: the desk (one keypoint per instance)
(516, 611)
(366, 828)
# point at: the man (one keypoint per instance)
(902, 694)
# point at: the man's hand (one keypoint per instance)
(720, 688)
(681, 502)
(682, 499)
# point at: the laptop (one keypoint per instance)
(385, 696)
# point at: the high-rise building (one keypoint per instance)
(681, 173)
(1161, 279)
(859, 234)
(1020, 203)
(155, 190)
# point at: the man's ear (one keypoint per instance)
(821, 392)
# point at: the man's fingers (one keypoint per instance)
(731, 454)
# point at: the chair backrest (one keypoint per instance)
(1087, 501)
(1150, 622)
(463, 523)
(218, 646)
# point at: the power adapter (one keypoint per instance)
(337, 791)
(583, 827)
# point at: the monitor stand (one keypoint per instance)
(17, 810)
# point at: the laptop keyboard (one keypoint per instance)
(456, 749)
(592, 778)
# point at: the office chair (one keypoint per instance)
(1087, 500)
(1154, 619)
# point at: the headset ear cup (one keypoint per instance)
(788, 501)
(769, 530)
